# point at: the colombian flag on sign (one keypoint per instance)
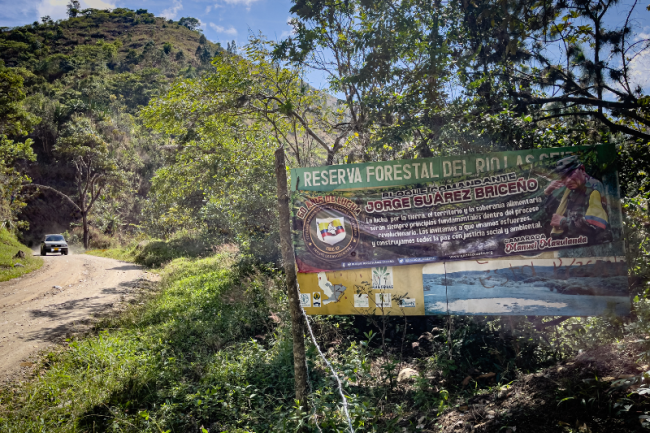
(330, 230)
(596, 215)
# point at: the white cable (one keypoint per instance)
(338, 381)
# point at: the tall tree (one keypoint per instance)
(190, 23)
(257, 89)
(73, 7)
(585, 65)
(95, 169)
(422, 74)
(15, 124)
(413, 54)
(326, 39)
(272, 107)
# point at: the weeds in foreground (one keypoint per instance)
(153, 358)
(211, 350)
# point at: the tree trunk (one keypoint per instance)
(330, 157)
(599, 71)
(299, 358)
(85, 225)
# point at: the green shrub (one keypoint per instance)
(155, 253)
(97, 239)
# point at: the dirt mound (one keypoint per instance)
(582, 395)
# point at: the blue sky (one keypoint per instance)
(222, 20)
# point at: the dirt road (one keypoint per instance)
(47, 305)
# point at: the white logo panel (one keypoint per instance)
(361, 301)
(382, 278)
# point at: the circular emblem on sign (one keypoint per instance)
(330, 231)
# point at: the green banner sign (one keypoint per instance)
(428, 171)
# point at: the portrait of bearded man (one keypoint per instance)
(578, 203)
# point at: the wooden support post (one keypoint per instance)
(299, 358)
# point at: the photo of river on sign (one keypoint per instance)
(553, 287)
(475, 207)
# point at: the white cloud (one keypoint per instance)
(639, 70)
(54, 8)
(219, 29)
(640, 65)
(246, 3)
(98, 4)
(208, 9)
(240, 2)
(57, 9)
(287, 33)
(172, 12)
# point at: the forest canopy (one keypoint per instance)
(407, 79)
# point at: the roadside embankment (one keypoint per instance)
(208, 348)
(155, 253)
(185, 343)
(12, 263)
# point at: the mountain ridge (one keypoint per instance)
(104, 66)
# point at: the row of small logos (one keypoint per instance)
(382, 300)
(368, 263)
(401, 261)
(417, 260)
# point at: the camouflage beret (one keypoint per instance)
(567, 165)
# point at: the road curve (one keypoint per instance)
(44, 307)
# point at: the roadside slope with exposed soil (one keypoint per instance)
(45, 306)
(600, 390)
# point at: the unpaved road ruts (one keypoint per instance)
(34, 314)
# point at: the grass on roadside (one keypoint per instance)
(124, 254)
(167, 364)
(211, 349)
(9, 246)
(155, 253)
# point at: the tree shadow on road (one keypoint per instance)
(94, 309)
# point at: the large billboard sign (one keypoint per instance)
(453, 214)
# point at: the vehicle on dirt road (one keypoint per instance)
(54, 244)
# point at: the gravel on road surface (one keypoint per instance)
(48, 305)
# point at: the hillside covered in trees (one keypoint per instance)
(90, 74)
